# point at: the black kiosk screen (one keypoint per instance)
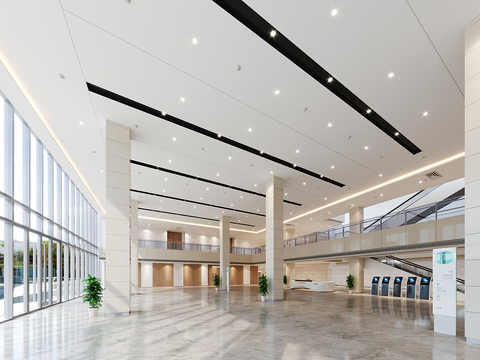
(375, 280)
(386, 280)
(412, 280)
(398, 280)
(425, 281)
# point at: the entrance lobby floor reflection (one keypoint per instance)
(199, 323)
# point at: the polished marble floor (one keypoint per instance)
(199, 323)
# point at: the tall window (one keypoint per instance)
(43, 218)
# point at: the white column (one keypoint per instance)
(356, 215)
(224, 250)
(117, 250)
(274, 238)
(204, 274)
(134, 247)
(290, 272)
(472, 180)
(246, 274)
(356, 268)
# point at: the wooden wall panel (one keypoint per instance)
(236, 274)
(211, 271)
(192, 275)
(173, 237)
(162, 275)
(253, 274)
(139, 275)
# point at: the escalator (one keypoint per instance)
(411, 217)
(414, 269)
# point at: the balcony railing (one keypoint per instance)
(435, 211)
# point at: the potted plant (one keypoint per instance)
(263, 286)
(285, 280)
(92, 294)
(350, 283)
(216, 281)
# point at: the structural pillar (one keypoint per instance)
(290, 272)
(117, 250)
(134, 247)
(274, 237)
(472, 181)
(356, 215)
(224, 250)
(356, 268)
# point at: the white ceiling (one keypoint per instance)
(144, 51)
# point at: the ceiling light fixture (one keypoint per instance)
(174, 139)
(390, 75)
(218, 174)
(273, 33)
(271, 172)
(80, 122)
(164, 113)
(330, 79)
(219, 135)
(369, 111)
(297, 151)
(229, 158)
(380, 175)
(334, 12)
(194, 41)
(304, 184)
(277, 92)
(250, 129)
(332, 167)
(329, 125)
(196, 224)
(182, 99)
(397, 133)
(425, 113)
(366, 147)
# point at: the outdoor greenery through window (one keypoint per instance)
(48, 230)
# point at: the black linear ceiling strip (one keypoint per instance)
(135, 162)
(185, 124)
(192, 216)
(196, 202)
(252, 20)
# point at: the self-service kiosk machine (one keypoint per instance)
(411, 285)
(425, 288)
(397, 286)
(385, 285)
(375, 281)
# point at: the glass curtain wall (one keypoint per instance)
(48, 229)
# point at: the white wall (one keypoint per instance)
(246, 274)
(152, 234)
(312, 272)
(147, 274)
(245, 243)
(177, 274)
(339, 273)
(193, 238)
(204, 270)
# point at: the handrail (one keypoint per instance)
(398, 219)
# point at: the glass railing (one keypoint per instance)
(440, 210)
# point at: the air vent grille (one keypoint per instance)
(434, 175)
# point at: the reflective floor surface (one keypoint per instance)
(199, 323)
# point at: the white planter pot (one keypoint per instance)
(263, 297)
(93, 311)
(216, 288)
(350, 291)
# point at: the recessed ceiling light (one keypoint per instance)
(164, 113)
(255, 185)
(208, 189)
(200, 198)
(182, 99)
(324, 198)
(291, 213)
(332, 167)
(381, 194)
(241, 197)
(231, 204)
(195, 41)
(174, 139)
(273, 33)
(166, 179)
(169, 161)
(366, 147)
(397, 133)
(271, 172)
(294, 165)
(219, 135)
(369, 111)
(425, 113)
(286, 194)
(420, 182)
(277, 92)
(218, 174)
(229, 158)
(330, 79)
(101, 171)
(80, 122)
(163, 190)
(334, 12)
(329, 125)
(258, 209)
(351, 205)
(390, 75)
(250, 129)
(297, 151)
(380, 175)
(304, 183)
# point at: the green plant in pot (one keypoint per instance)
(350, 283)
(216, 281)
(92, 294)
(285, 280)
(263, 286)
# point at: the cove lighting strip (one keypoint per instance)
(35, 108)
(195, 224)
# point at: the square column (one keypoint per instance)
(356, 268)
(117, 250)
(224, 250)
(134, 247)
(356, 215)
(274, 238)
(472, 180)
